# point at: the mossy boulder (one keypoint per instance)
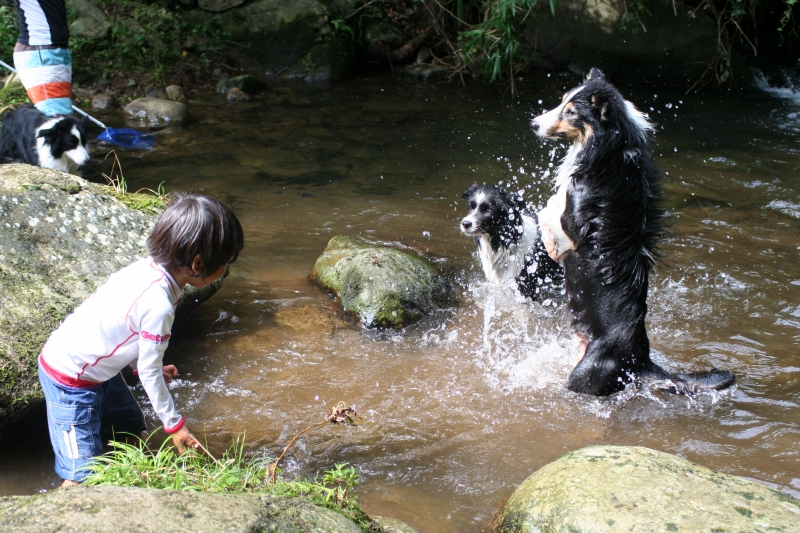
(60, 238)
(631, 488)
(383, 286)
(107, 508)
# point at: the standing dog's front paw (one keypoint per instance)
(555, 241)
(548, 238)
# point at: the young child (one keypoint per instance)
(128, 322)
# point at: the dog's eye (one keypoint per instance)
(484, 208)
(570, 112)
(472, 205)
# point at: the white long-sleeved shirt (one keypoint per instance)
(126, 321)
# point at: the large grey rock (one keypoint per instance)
(605, 34)
(631, 488)
(117, 509)
(60, 238)
(155, 111)
(382, 286)
(90, 21)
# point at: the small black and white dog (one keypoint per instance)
(604, 224)
(30, 136)
(509, 242)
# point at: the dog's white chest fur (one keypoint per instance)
(507, 263)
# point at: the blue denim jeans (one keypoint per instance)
(80, 420)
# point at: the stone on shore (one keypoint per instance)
(631, 488)
(383, 286)
(108, 508)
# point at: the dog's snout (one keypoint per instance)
(466, 224)
(535, 125)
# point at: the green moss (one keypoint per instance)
(744, 511)
(146, 203)
(671, 527)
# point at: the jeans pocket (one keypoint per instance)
(71, 429)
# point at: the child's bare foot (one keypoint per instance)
(69, 483)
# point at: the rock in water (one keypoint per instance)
(157, 111)
(631, 488)
(383, 286)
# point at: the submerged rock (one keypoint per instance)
(631, 488)
(60, 238)
(106, 508)
(393, 525)
(155, 111)
(248, 84)
(383, 286)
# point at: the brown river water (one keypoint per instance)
(461, 408)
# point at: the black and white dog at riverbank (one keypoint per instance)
(603, 224)
(29, 136)
(509, 242)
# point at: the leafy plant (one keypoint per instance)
(339, 481)
(497, 38)
(8, 32)
(151, 36)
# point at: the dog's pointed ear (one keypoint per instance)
(470, 191)
(595, 74)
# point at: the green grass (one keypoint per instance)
(135, 465)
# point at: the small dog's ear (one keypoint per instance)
(469, 192)
(595, 74)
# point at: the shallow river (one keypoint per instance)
(460, 409)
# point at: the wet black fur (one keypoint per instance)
(498, 205)
(614, 218)
(18, 135)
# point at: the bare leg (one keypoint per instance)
(69, 483)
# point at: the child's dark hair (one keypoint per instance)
(195, 224)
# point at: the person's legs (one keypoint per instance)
(73, 417)
(119, 410)
(42, 57)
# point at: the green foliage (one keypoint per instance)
(135, 465)
(8, 32)
(497, 38)
(339, 481)
(148, 36)
(13, 94)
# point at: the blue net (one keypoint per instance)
(127, 138)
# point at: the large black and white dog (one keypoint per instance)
(30, 136)
(603, 224)
(509, 242)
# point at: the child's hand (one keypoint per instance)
(170, 372)
(183, 438)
